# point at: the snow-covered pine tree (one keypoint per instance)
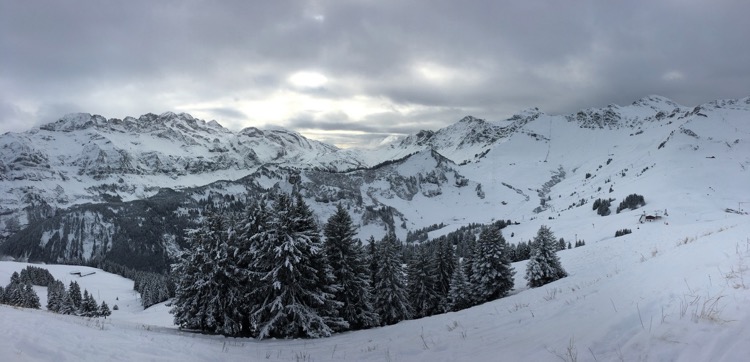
(468, 259)
(459, 295)
(391, 300)
(372, 259)
(30, 298)
(55, 294)
(523, 251)
(10, 295)
(319, 260)
(226, 294)
(349, 266)
(74, 290)
(443, 265)
(293, 289)
(14, 293)
(92, 307)
(104, 310)
(147, 288)
(212, 302)
(67, 306)
(85, 307)
(249, 233)
(193, 288)
(544, 265)
(422, 285)
(492, 274)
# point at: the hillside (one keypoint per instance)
(665, 292)
(531, 167)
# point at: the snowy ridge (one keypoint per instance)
(84, 158)
(533, 166)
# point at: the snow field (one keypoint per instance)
(664, 292)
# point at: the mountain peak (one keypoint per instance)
(656, 102)
(470, 119)
(74, 121)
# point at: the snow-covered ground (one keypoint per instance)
(676, 289)
(672, 290)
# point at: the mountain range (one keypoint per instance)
(86, 187)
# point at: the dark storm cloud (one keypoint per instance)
(419, 64)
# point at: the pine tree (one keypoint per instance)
(225, 291)
(372, 259)
(561, 244)
(255, 221)
(391, 301)
(30, 298)
(544, 265)
(14, 293)
(88, 307)
(443, 266)
(67, 306)
(104, 310)
(209, 294)
(295, 283)
(459, 295)
(193, 287)
(524, 251)
(421, 285)
(350, 270)
(492, 274)
(55, 294)
(74, 290)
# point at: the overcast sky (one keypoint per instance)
(353, 72)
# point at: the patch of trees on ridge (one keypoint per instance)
(59, 300)
(632, 202)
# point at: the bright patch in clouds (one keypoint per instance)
(673, 75)
(310, 80)
(441, 75)
(434, 72)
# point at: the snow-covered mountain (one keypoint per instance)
(85, 158)
(82, 183)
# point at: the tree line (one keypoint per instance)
(19, 293)
(267, 272)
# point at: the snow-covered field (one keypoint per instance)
(668, 291)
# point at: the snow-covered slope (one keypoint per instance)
(530, 167)
(676, 292)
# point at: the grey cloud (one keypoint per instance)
(226, 112)
(341, 123)
(129, 58)
(13, 118)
